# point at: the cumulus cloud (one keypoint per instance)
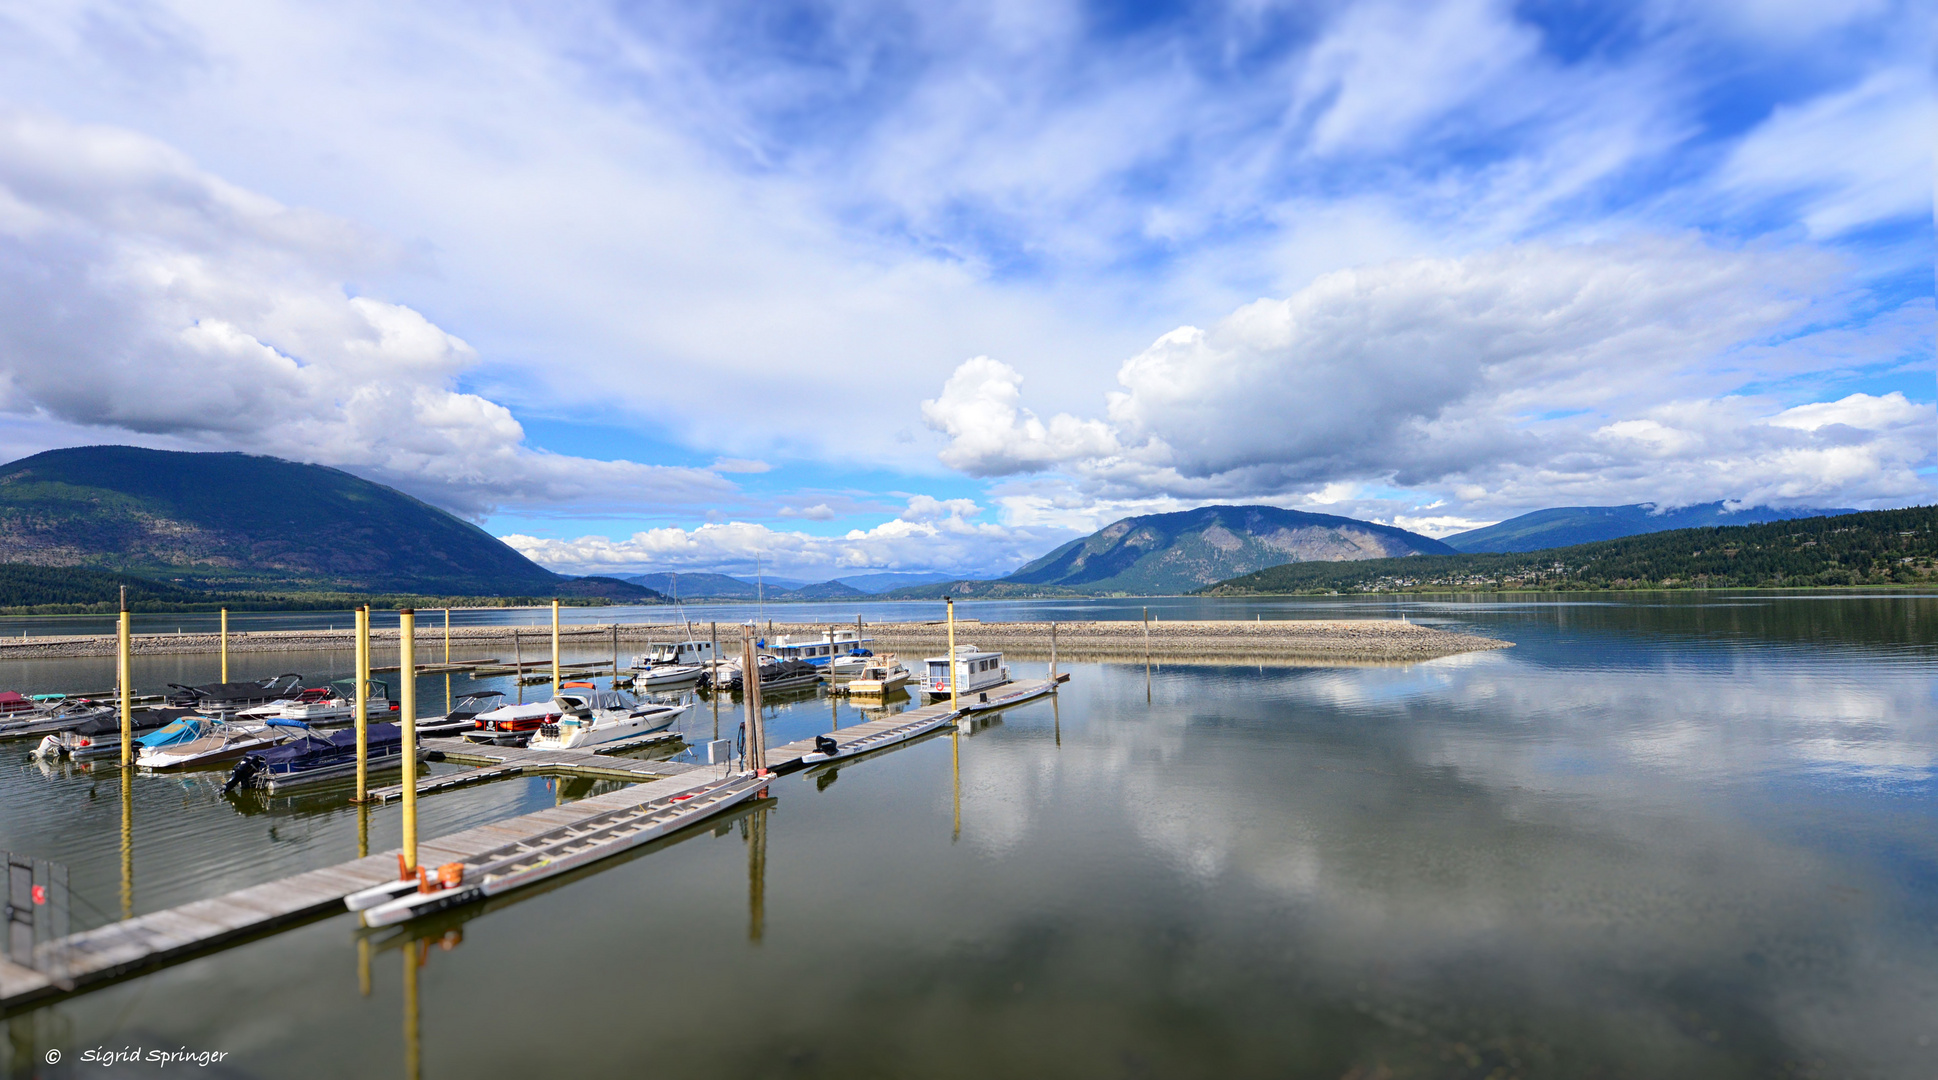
(141, 294)
(931, 534)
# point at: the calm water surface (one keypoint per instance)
(1663, 836)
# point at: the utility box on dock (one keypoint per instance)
(719, 751)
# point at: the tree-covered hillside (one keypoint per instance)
(1878, 547)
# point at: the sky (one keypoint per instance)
(843, 287)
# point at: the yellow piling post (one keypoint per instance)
(363, 829)
(407, 710)
(225, 644)
(558, 681)
(955, 705)
(955, 780)
(362, 704)
(127, 844)
(125, 675)
(447, 660)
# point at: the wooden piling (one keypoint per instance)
(407, 708)
(756, 754)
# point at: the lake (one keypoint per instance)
(1665, 835)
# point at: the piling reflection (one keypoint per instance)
(754, 832)
(127, 841)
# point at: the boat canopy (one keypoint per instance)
(296, 750)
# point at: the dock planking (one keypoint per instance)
(503, 762)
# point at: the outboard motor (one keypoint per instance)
(244, 773)
(824, 744)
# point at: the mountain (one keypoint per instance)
(1170, 553)
(1167, 554)
(696, 586)
(826, 590)
(1874, 547)
(241, 521)
(1566, 525)
(886, 580)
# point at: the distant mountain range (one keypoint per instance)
(1158, 554)
(236, 522)
(1563, 526)
(706, 586)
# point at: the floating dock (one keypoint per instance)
(503, 762)
(584, 831)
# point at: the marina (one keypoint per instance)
(1079, 844)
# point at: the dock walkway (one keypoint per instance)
(504, 762)
(158, 939)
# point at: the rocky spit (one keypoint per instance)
(1284, 641)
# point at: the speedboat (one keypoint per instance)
(883, 676)
(332, 704)
(316, 759)
(463, 716)
(223, 740)
(101, 736)
(14, 704)
(672, 664)
(975, 671)
(851, 665)
(61, 715)
(592, 717)
(512, 725)
(234, 696)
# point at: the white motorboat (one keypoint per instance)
(882, 676)
(333, 704)
(974, 672)
(225, 740)
(593, 717)
(672, 664)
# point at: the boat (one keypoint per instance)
(775, 675)
(101, 736)
(511, 725)
(13, 704)
(332, 704)
(672, 664)
(818, 649)
(589, 716)
(463, 716)
(234, 696)
(882, 676)
(851, 665)
(62, 715)
(975, 672)
(317, 759)
(224, 740)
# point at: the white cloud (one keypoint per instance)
(139, 294)
(1849, 159)
(1580, 372)
(931, 534)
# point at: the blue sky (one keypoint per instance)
(936, 286)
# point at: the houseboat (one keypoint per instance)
(818, 649)
(975, 671)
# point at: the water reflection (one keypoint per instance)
(1613, 850)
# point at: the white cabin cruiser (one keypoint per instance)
(672, 664)
(882, 676)
(334, 704)
(593, 717)
(975, 671)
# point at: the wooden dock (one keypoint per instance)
(503, 762)
(95, 957)
(145, 942)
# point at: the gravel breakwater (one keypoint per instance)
(1283, 641)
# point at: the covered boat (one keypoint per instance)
(13, 704)
(222, 740)
(101, 736)
(512, 725)
(463, 716)
(234, 696)
(332, 704)
(317, 759)
(589, 716)
(61, 715)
